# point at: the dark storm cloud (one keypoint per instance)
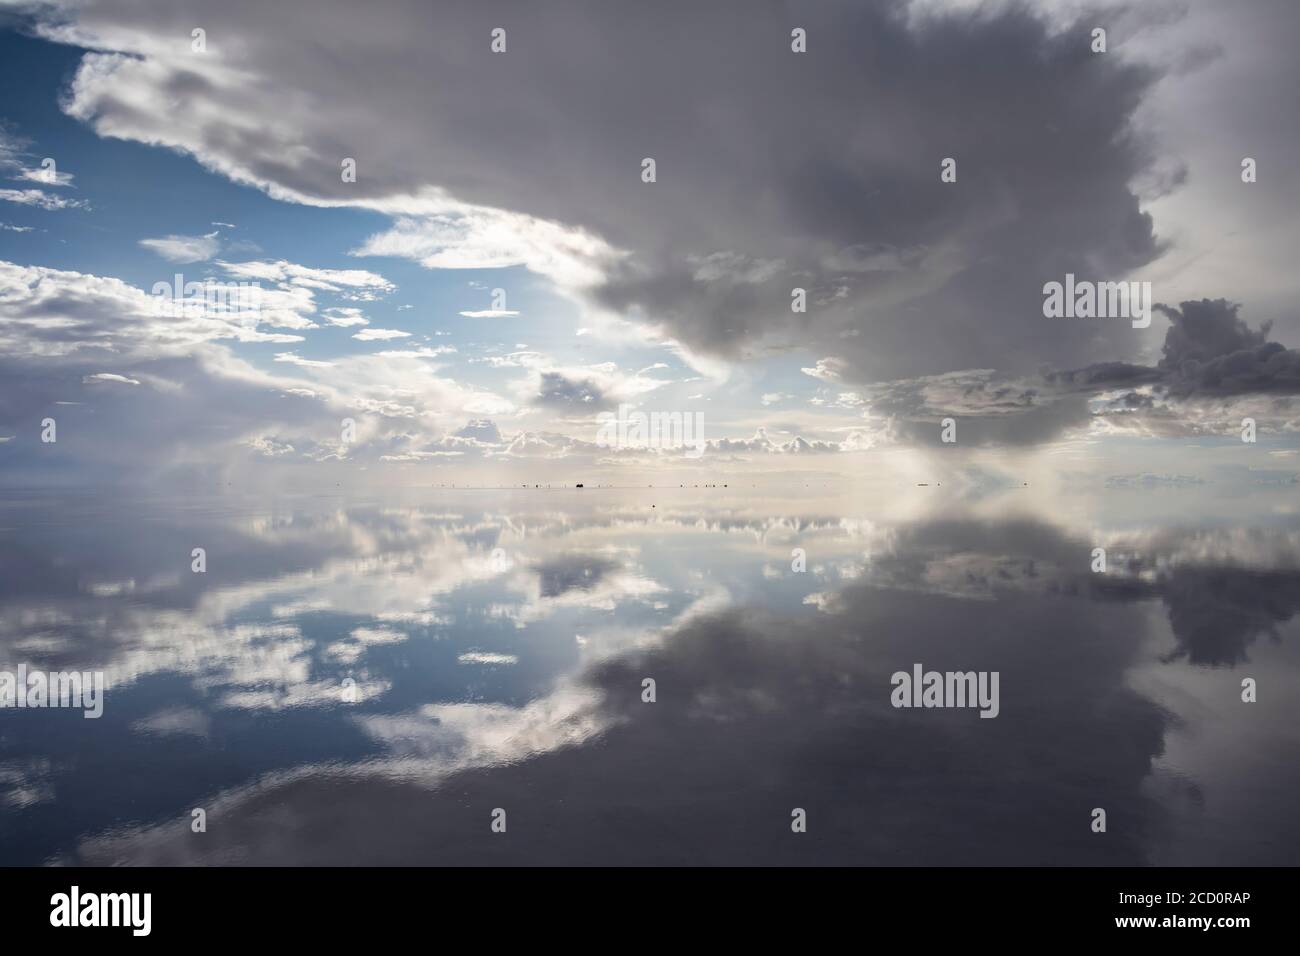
(1209, 350)
(841, 150)
(561, 392)
(1107, 375)
(775, 169)
(1033, 424)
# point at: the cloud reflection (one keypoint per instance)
(483, 683)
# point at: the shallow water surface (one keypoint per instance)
(358, 680)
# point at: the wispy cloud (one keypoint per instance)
(185, 248)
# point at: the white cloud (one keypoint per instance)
(352, 283)
(292, 358)
(108, 377)
(184, 248)
(345, 316)
(16, 159)
(40, 199)
(485, 657)
(826, 369)
(380, 335)
(53, 312)
(420, 353)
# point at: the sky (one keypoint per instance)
(444, 257)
